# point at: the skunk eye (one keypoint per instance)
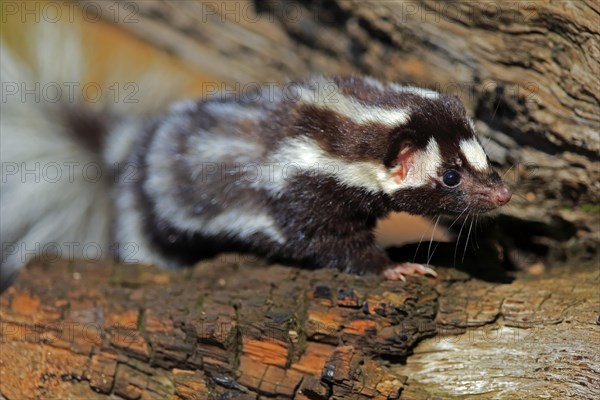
(451, 178)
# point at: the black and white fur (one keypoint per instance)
(298, 176)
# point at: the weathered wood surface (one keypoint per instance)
(537, 337)
(528, 71)
(236, 328)
(135, 332)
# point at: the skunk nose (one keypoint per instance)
(502, 195)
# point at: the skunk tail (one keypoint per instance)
(56, 150)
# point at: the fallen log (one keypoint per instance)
(227, 326)
(235, 327)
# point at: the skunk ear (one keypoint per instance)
(404, 162)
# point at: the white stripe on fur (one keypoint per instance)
(239, 220)
(130, 234)
(233, 111)
(304, 155)
(474, 154)
(374, 83)
(325, 94)
(427, 93)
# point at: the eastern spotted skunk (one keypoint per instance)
(299, 175)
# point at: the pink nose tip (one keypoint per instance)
(503, 195)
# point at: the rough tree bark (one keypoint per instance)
(136, 332)
(234, 327)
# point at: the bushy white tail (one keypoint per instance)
(53, 203)
(55, 189)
